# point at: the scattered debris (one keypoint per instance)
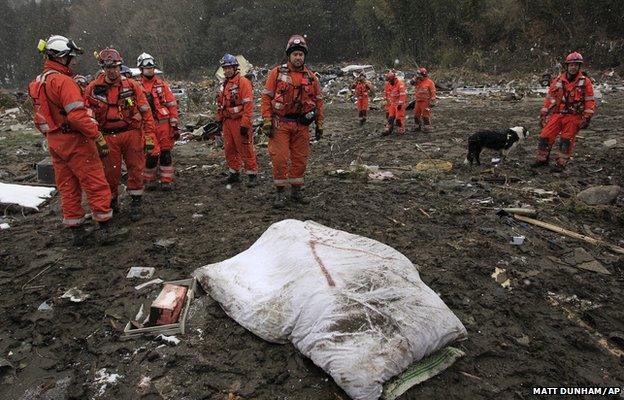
(103, 380)
(144, 385)
(517, 240)
(44, 306)
(382, 175)
(500, 276)
(149, 283)
(4, 225)
(75, 295)
(434, 165)
(597, 195)
(165, 243)
(571, 234)
(169, 339)
(610, 143)
(141, 272)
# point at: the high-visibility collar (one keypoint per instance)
(49, 64)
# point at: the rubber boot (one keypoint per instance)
(108, 234)
(166, 186)
(543, 153)
(252, 180)
(389, 127)
(233, 177)
(296, 194)
(114, 205)
(79, 236)
(417, 125)
(135, 208)
(280, 198)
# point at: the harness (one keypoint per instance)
(283, 84)
(120, 113)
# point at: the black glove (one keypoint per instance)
(399, 107)
(584, 123)
(244, 131)
(267, 127)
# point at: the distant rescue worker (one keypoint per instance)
(82, 82)
(395, 102)
(165, 112)
(568, 108)
(125, 119)
(362, 88)
(234, 112)
(74, 140)
(291, 101)
(424, 98)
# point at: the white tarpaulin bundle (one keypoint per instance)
(356, 307)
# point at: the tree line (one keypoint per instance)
(189, 36)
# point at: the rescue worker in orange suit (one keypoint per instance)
(74, 140)
(387, 88)
(234, 112)
(396, 104)
(424, 98)
(568, 108)
(362, 88)
(165, 112)
(291, 101)
(125, 118)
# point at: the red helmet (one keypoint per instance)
(574, 57)
(422, 71)
(390, 75)
(296, 42)
(109, 57)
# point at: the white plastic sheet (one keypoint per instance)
(356, 307)
(24, 195)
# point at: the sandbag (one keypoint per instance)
(356, 307)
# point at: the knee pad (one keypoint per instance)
(565, 145)
(165, 157)
(151, 161)
(543, 144)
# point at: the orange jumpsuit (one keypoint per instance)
(124, 116)
(396, 109)
(362, 88)
(387, 88)
(565, 106)
(424, 93)
(60, 114)
(288, 96)
(234, 110)
(165, 112)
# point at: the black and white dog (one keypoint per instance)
(503, 140)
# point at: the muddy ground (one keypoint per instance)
(551, 328)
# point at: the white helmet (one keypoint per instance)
(145, 61)
(59, 46)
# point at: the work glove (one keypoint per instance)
(102, 146)
(244, 131)
(399, 107)
(318, 130)
(584, 123)
(149, 145)
(267, 127)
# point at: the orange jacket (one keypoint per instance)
(120, 106)
(58, 103)
(235, 100)
(362, 88)
(288, 91)
(424, 89)
(565, 97)
(396, 93)
(161, 99)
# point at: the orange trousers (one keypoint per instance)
(566, 125)
(290, 142)
(160, 159)
(238, 150)
(77, 167)
(422, 111)
(129, 146)
(362, 104)
(398, 116)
